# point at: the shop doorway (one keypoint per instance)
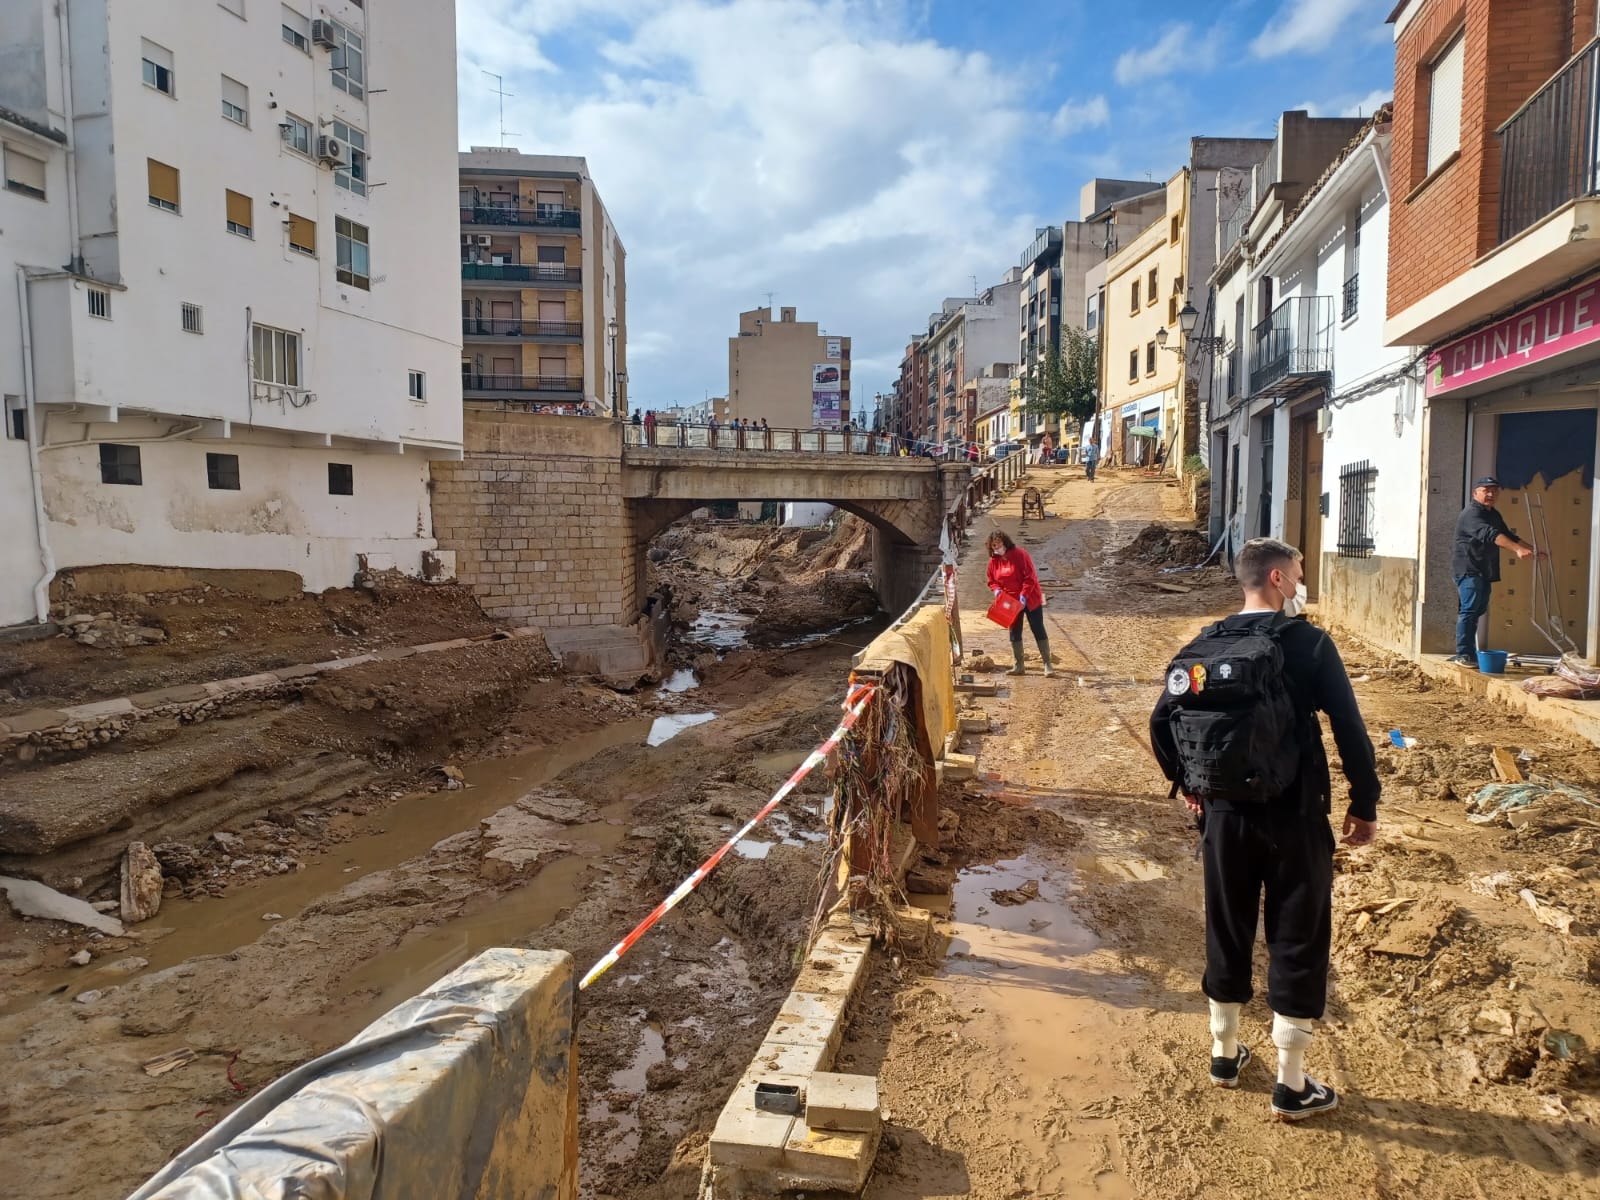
(1265, 427)
(1542, 458)
(1302, 515)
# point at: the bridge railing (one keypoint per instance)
(782, 441)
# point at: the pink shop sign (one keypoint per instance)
(1545, 331)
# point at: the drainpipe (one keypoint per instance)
(75, 265)
(47, 558)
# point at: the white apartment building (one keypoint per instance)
(232, 337)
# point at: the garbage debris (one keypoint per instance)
(1401, 741)
(1496, 799)
(170, 1061)
(1548, 915)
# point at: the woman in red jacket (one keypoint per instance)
(1011, 571)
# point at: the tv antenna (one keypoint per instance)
(500, 91)
(769, 300)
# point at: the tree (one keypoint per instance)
(1066, 382)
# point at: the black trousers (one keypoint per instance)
(1286, 857)
(1035, 619)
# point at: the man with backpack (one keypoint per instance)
(1236, 732)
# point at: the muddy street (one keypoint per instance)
(1058, 1048)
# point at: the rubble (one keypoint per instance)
(141, 884)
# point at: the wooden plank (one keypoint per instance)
(1169, 587)
(978, 689)
(1505, 765)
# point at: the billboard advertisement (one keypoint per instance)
(835, 348)
(826, 394)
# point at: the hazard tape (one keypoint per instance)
(855, 702)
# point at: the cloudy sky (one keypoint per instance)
(863, 159)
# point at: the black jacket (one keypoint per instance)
(1318, 683)
(1474, 551)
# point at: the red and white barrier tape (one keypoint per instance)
(855, 702)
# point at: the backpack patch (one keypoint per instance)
(1233, 720)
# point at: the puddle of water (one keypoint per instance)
(724, 630)
(1044, 997)
(186, 929)
(684, 680)
(664, 729)
(781, 828)
(624, 1133)
(781, 763)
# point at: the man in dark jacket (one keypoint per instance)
(1481, 534)
(1281, 848)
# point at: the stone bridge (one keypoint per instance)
(549, 517)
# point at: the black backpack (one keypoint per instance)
(1238, 734)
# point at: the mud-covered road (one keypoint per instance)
(1060, 1048)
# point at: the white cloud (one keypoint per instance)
(1368, 104)
(1080, 114)
(1309, 26)
(1179, 49)
(813, 148)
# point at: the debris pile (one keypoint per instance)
(1161, 545)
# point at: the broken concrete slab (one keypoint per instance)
(33, 899)
(183, 693)
(959, 766)
(747, 1137)
(817, 1159)
(843, 1103)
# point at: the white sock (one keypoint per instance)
(1292, 1036)
(1224, 1029)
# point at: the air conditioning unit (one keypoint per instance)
(322, 34)
(330, 150)
(482, 239)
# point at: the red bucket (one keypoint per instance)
(1005, 609)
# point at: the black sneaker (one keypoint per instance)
(1225, 1071)
(1296, 1106)
(1461, 660)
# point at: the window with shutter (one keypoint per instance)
(302, 235)
(24, 174)
(1444, 103)
(235, 101)
(163, 184)
(241, 218)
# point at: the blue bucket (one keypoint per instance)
(1492, 662)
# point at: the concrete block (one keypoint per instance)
(978, 689)
(189, 693)
(843, 1103)
(974, 721)
(810, 1019)
(778, 1061)
(959, 766)
(121, 706)
(817, 1159)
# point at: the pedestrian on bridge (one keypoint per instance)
(1011, 571)
(1236, 731)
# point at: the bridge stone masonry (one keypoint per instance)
(549, 519)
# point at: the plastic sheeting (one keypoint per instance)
(923, 644)
(462, 1091)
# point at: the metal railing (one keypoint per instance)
(520, 273)
(1295, 341)
(475, 382)
(1548, 148)
(511, 327)
(544, 216)
(680, 436)
(1352, 298)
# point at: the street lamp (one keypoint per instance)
(612, 330)
(1188, 318)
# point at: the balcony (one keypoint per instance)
(544, 216)
(526, 331)
(522, 274)
(1293, 347)
(1548, 147)
(501, 387)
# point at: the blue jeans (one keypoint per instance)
(1474, 592)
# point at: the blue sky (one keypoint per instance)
(863, 159)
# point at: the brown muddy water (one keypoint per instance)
(187, 929)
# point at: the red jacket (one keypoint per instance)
(1013, 574)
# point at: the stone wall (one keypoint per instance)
(535, 514)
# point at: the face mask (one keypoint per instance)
(1294, 605)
